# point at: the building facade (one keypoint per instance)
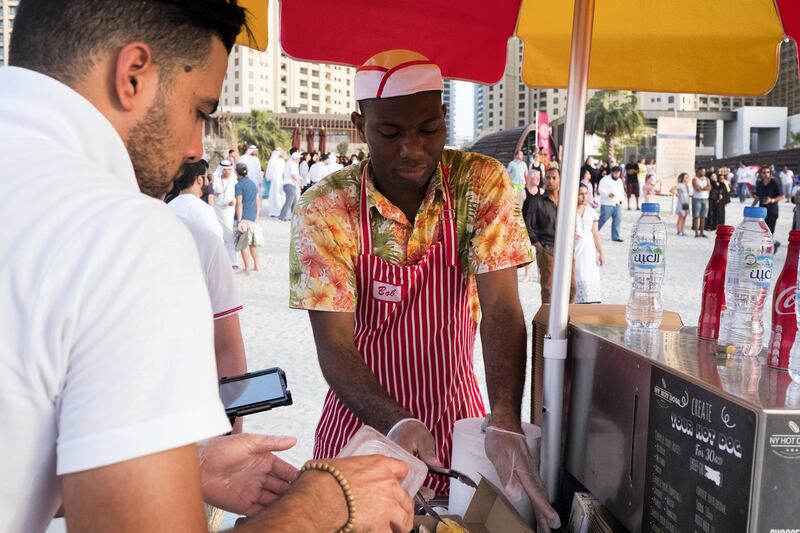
(449, 99)
(8, 11)
(273, 82)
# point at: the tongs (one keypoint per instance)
(455, 474)
(428, 508)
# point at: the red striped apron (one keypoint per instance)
(414, 329)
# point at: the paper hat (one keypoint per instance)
(396, 73)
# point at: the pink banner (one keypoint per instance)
(543, 132)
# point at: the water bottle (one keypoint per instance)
(748, 277)
(646, 263)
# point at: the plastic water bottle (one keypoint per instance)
(747, 281)
(646, 264)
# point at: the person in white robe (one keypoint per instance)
(254, 171)
(274, 176)
(225, 205)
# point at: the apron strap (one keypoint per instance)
(449, 232)
(364, 218)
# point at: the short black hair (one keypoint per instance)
(190, 173)
(63, 38)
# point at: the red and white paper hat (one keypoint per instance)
(396, 73)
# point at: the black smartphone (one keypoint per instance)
(254, 392)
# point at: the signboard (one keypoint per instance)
(699, 459)
(675, 149)
(779, 487)
(543, 133)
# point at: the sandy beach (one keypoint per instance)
(278, 336)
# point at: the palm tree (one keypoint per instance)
(613, 114)
(264, 131)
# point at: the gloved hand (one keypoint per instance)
(512, 460)
(416, 439)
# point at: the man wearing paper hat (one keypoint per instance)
(395, 259)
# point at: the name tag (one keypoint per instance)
(386, 292)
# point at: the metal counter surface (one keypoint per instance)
(749, 380)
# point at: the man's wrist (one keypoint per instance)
(505, 418)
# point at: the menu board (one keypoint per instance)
(699, 459)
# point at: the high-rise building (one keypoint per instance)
(478, 110)
(449, 99)
(8, 10)
(510, 103)
(787, 90)
(273, 82)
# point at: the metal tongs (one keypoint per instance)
(455, 474)
(428, 508)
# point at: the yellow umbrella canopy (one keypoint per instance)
(708, 46)
(699, 46)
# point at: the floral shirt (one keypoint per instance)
(325, 231)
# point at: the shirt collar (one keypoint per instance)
(388, 210)
(58, 119)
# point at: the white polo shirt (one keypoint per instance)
(107, 336)
(195, 211)
(217, 272)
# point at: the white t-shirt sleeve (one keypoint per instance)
(141, 375)
(225, 299)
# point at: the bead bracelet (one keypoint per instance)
(345, 486)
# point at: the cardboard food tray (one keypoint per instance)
(489, 511)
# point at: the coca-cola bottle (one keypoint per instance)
(713, 300)
(784, 320)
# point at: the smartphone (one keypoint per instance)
(254, 392)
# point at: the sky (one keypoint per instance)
(465, 108)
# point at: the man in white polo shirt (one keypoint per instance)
(193, 182)
(107, 354)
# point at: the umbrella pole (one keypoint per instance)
(555, 343)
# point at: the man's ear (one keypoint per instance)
(135, 76)
(358, 121)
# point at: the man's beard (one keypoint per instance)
(147, 147)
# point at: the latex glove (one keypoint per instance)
(239, 473)
(512, 460)
(416, 439)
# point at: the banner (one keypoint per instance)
(543, 133)
(675, 149)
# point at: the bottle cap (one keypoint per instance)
(755, 212)
(725, 231)
(652, 208)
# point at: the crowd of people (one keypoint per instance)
(703, 197)
(228, 202)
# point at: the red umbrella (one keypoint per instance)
(296, 137)
(323, 141)
(310, 138)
